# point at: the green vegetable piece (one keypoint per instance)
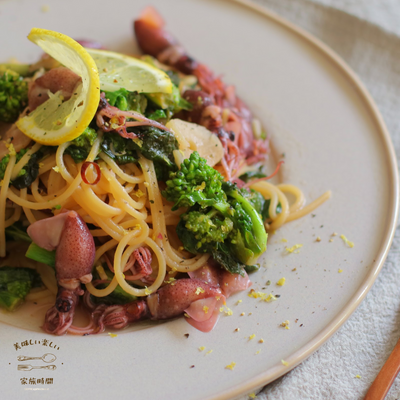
(170, 101)
(15, 284)
(21, 69)
(4, 162)
(248, 176)
(156, 145)
(13, 95)
(196, 182)
(252, 268)
(157, 115)
(31, 169)
(250, 225)
(118, 296)
(201, 232)
(221, 218)
(256, 199)
(121, 150)
(224, 257)
(265, 209)
(81, 146)
(41, 255)
(17, 232)
(127, 101)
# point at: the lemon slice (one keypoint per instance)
(57, 121)
(118, 71)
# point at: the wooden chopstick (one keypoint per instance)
(386, 376)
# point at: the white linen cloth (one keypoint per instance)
(366, 34)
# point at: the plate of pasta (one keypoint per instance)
(181, 205)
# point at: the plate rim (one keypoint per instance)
(320, 338)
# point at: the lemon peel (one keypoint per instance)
(55, 122)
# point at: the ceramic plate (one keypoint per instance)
(319, 115)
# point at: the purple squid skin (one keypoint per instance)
(75, 255)
(76, 250)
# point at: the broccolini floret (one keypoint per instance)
(208, 229)
(195, 182)
(220, 220)
(13, 95)
(15, 284)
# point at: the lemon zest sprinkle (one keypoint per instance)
(231, 366)
(285, 324)
(199, 290)
(281, 282)
(139, 193)
(293, 248)
(113, 335)
(201, 187)
(202, 348)
(226, 310)
(11, 150)
(285, 363)
(347, 241)
(270, 298)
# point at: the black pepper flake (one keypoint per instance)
(192, 366)
(301, 325)
(277, 296)
(186, 335)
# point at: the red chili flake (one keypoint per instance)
(83, 172)
(159, 236)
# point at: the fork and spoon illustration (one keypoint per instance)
(47, 358)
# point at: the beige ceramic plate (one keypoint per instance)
(333, 137)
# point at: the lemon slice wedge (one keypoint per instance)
(57, 121)
(118, 71)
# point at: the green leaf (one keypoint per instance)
(18, 232)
